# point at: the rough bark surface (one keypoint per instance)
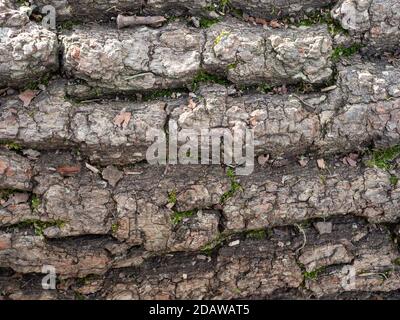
(91, 10)
(377, 22)
(317, 218)
(171, 57)
(364, 108)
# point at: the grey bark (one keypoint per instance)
(147, 59)
(280, 260)
(376, 22)
(363, 109)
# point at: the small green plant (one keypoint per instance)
(79, 296)
(204, 77)
(396, 261)
(5, 193)
(34, 85)
(172, 197)
(256, 234)
(209, 247)
(207, 23)
(35, 202)
(114, 227)
(13, 146)
(68, 25)
(235, 186)
(177, 217)
(342, 51)
(264, 88)
(393, 180)
(40, 226)
(232, 66)
(157, 94)
(312, 275)
(323, 17)
(382, 158)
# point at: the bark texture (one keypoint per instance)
(317, 218)
(376, 22)
(90, 10)
(172, 56)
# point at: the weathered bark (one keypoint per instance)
(376, 22)
(15, 171)
(140, 209)
(315, 219)
(251, 269)
(27, 50)
(10, 16)
(94, 10)
(27, 53)
(363, 109)
(275, 9)
(147, 59)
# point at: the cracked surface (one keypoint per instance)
(27, 50)
(252, 269)
(171, 57)
(363, 108)
(317, 218)
(92, 10)
(139, 209)
(377, 22)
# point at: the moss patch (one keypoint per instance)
(235, 186)
(313, 275)
(13, 146)
(177, 217)
(207, 23)
(172, 197)
(256, 234)
(204, 77)
(35, 203)
(343, 51)
(40, 226)
(382, 158)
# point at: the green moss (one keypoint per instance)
(114, 227)
(393, 180)
(210, 246)
(232, 66)
(256, 234)
(207, 22)
(68, 25)
(323, 17)
(382, 158)
(13, 146)
(177, 217)
(79, 296)
(34, 85)
(265, 88)
(172, 197)
(35, 202)
(342, 51)
(171, 19)
(40, 226)
(312, 275)
(204, 77)
(5, 194)
(235, 186)
(396, 261)
(157, 94)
